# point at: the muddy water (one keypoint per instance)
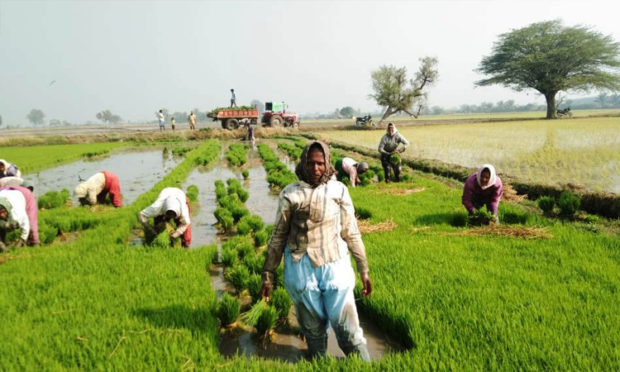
(137, 171)
(261, 201)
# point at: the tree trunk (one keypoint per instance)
(551, 109)
(388, 112)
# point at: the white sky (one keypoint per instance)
(136, 57)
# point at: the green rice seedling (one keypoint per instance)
(480, 217)
(254, 286)
(224, 218)
(362, 213)
(220, 190)
(249, 224)
(277, 173)
(592, 219)
(235, 187)
(163, 239)
(546, 204)
(228, 309)
(254, 262)
(279, 274)
(245, 174)
(281, 301)
(345, 180)
(568, 204)
(395, 159)
(260, 238)
(47, 233)
(229, 257)
(180, 151)
(242, 244)
(266, 322)
(192, 193)
(207, 153)
(237, 154)
(53, 199)
(251, 316)
(293, 152)
(238, 276)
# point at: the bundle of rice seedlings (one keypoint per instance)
(254, 286)
(480, 217)
(229, 257)
(249, 223)
(254, 262)
(238, 276)
(245, 174)
(569, 204)
(395, 159)
(53, 199)
(228, 309)
(224, 217)
(192, 193)
(266, 322)
(47, 233)
(281, 301)
(251, 316)
(261, 238)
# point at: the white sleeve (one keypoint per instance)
(21, 218)
(154, 209)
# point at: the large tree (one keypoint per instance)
(394, 91)
(108, 117)
(550, 58)
(36, 116)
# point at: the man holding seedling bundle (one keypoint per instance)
(171, 205)
(96, 189)
(350, 168)
(483, 188)
(18, 207)
(315, 229)
(388, 148)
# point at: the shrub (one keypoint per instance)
(53, 199)
(546, 204)
(192, 193)
(228, 309)
(568, 204)
(245, 174)
(281, 302)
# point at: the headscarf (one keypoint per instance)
(172, 203)
(4, 203)
(387, 129)
(302, 172)
(81, 190)
(492, 178)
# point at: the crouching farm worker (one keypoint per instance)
(171, 205)
(18, 208)
(388, 147)
(483, 188)
(352, 169)
(9, 170)
(96, 189)
(315, 229)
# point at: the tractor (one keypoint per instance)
(276, 115)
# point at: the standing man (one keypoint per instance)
(315, 229)
(483, 188)
(162, 120)
(233, 98)
(191, 119)
(173, 123)
(96, 189)
(18, 207)
(352, 169)
(389, 146)
(171, 205)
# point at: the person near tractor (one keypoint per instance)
(162, 120)
(315, 229)
(350, 168)
(233, 98)
(8, 169)
(173, 123)
(388, 147)
(18, 207)
(483, 188)
(191, 119)
(171, 205)
(96, 189)
(250, 133)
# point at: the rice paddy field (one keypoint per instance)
(583, 152)
(535, 293)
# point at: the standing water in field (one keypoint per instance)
(137, 171)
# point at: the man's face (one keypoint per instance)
(315, 165)
(1, 167)
(485, 176)
(391, 130)
(4, 214)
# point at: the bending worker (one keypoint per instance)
(483, 188)
(171, 205)
(388, 146)
(352, 169)
(315, 229)
(96, 189)
(9, 174)
(18, 207)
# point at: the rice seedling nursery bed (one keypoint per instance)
(455, 300)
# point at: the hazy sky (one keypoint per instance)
(136, 57)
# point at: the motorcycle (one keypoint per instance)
(364, 121)
(564, 112)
